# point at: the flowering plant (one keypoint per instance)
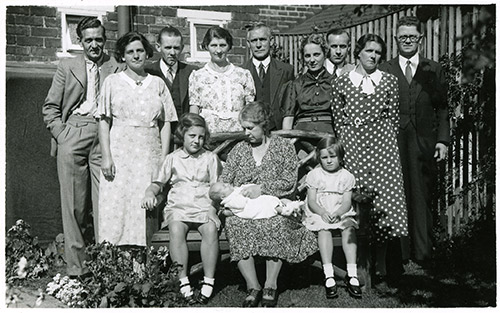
(69, 291)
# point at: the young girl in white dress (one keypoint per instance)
(190, 170)
(328, 207)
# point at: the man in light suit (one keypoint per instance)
(68, 114)
(339, 42)
(424, 132)
(174, 72)
(269, 74)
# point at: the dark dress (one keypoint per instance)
(309, 100)
(276, 237)
(368, 126)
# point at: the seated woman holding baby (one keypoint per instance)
(269, 163)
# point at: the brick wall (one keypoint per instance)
(34, 32)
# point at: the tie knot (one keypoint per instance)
(408, 63)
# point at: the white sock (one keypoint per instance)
(206, 290)
(186, 287)
(352, 271)
(328, 270)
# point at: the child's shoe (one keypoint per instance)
(354, 291)
(331, 292)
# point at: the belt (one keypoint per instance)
(134, 123)
(82, 118)
(314, 118)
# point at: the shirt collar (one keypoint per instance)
(184, 155)
(164, 67)
(414, 61)
(357, 78)
(264, 62)
(330, 67)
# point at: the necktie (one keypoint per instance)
(408, 72)
(93, 86)
(170, 77)
(261, 72)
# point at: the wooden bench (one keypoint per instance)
(220, 141)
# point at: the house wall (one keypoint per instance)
(33, 39)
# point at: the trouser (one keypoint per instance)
(419, 175)
(78, 166)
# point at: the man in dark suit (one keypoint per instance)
(269, 74)
(68, 113)
(175, 73)
(424, 133)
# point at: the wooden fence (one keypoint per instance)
(461, 192)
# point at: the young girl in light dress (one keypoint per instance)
(328, 207)
(190, 170)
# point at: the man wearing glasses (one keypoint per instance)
(424, 133)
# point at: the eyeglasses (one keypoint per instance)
(412, 38)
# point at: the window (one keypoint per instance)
(199, 22)
(70, 16)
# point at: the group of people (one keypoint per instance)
(112, 120)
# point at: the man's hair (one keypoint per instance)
(409, 21)
(89, 22)
(258, 26)
(338, 31)
(170, 31)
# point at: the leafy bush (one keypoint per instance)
(24, 258)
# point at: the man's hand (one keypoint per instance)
(441, 151)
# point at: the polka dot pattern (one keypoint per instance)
(368, 126)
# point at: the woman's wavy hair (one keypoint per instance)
(216, 32)
(363, 40)
(256, 112)
(130, 37)
(333, 145)
(187, 121)
(317, 39)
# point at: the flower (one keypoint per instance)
(21, 267)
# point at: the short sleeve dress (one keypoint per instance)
(190, 177)
(221, 96)
(276, 237)
(330, 190)
(135, 146)
(368, 124)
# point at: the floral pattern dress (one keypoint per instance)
(135, 146)
(368, 125)
(278, 236)
(221, 96)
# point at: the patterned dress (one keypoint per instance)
(136, 149)
(330, 191)
(190, 177)
(276, 237)
(368, 125)
(220, 96)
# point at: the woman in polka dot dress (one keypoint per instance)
(366, 118)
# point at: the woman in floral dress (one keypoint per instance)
(132, 104)
(269, 162)
(220, 89)
(366, 118)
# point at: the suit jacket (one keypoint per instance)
(281, 73)
(181, 79)
(427, 96)
(69, 89)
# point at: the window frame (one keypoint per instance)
(199, 17)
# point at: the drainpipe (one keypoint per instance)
(123, 19)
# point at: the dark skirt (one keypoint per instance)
(276, 237)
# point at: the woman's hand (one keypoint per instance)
(108, 168)
(149, 201)
(252, 192)
(214, 218)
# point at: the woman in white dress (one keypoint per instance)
(134, 111)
